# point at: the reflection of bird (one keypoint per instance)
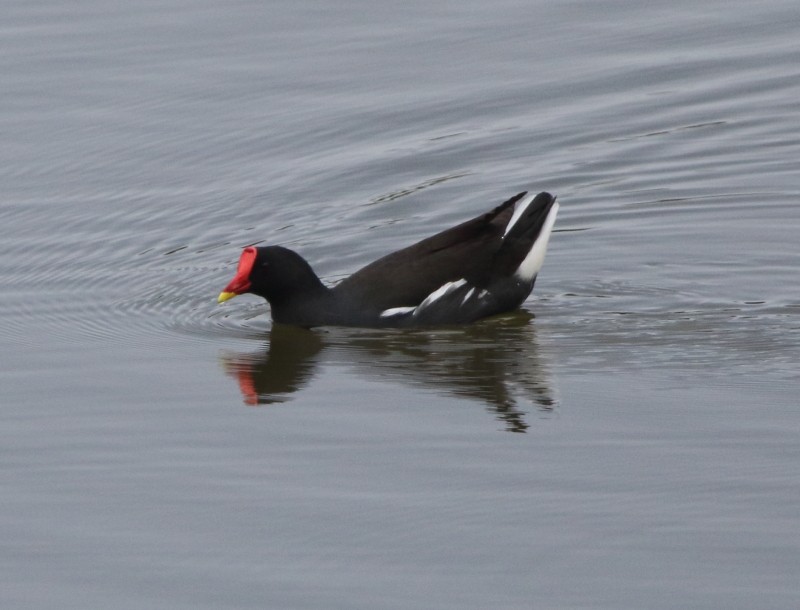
(496, 362)
(280, 371)
(482, 267)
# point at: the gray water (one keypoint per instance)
(628, 440)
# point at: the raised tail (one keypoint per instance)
(528, 233)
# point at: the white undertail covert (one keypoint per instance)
(535, 258)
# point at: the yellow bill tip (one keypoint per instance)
(224, 296)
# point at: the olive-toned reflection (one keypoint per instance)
(496, 362)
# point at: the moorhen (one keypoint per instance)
(482, 267)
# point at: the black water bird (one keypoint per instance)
(482, 267)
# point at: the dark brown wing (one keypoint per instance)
(406, 277)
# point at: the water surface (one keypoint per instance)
(626, 440)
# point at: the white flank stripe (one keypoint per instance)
(519, 208)
(429, 300)
(535, 259)
(439, 293)
(396, 311)
(468, 295)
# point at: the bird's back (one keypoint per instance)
(406, 277)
